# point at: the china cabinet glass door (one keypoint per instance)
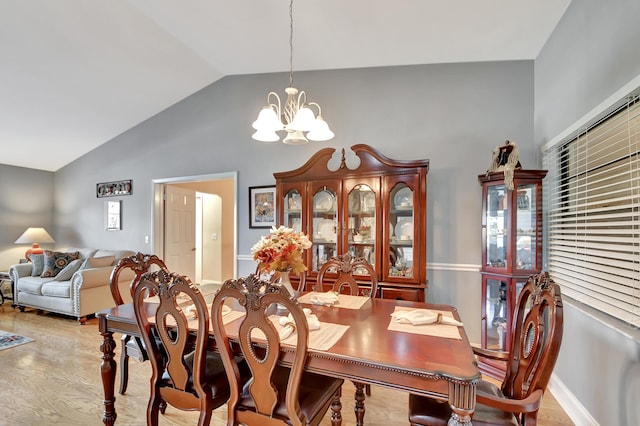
(497, 214)
(401, 231)
(293, 210)
(361, 224)
(526, 243)
(324, 226)
(500, 295)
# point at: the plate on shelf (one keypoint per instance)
(403, 198)
(327, 230)
(323, 201)
(296, 224)
(404, 229)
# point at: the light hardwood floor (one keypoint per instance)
(56, 380)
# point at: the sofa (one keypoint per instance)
(74, 282)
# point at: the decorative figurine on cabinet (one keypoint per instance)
(506, 159)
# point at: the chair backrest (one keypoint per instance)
(274, 277)
(535, 339)
(168, 339)
(260, 349)
(140, 263)
(346, 266)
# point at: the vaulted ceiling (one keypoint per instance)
(75, 73)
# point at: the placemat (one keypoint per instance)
(321, 339)
(345, 301)
(437, 330)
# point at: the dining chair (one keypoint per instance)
(272, 394)
(184, 374)
(345, 267)
(132, 347)
(533, 350)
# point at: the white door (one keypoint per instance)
(180, 230)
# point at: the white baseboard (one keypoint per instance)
(569, 403)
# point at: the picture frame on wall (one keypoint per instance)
(114, 189)
(262, 206)
(113, 215)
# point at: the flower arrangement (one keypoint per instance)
(281, 250)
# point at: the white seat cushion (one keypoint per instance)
(57, 289)
(32, 285)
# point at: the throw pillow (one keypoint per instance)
(67, 272)
(55, 261)
(37, 264)
(98, 262)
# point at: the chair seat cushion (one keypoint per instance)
(433, 412)
(315, 391)
(213, 364)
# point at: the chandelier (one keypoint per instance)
(296, 117)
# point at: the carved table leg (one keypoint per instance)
(108, 372)
(462, 398)
(359, 404)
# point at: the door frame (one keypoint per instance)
(157, 209)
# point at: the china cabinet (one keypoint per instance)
(511, 249)
(375, 210)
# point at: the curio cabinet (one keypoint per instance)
(511, 249)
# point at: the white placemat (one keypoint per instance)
(345, 301)
(437, 330)
(321, 340)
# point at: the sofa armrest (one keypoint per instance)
(20, 270)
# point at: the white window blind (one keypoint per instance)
(592, 214)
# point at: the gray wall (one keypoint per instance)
(452, 114)
(26, 200)
(592, 54)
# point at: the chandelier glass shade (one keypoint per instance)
(296, 116)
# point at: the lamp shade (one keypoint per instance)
(34, 236)
(303, 120)
(320, 131)
(267, 120)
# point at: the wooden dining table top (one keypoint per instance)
(367, 352)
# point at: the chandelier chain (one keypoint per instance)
(291, 44)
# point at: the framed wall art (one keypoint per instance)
(262, 206)
(113, 189)
(113, 215)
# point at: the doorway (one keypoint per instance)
(194, 225)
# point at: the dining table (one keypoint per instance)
(363, 341)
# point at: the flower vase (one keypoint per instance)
(286, 282)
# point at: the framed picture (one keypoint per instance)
(113, 215)
(114, 189)
(262, 206)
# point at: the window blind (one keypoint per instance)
(592, 213)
